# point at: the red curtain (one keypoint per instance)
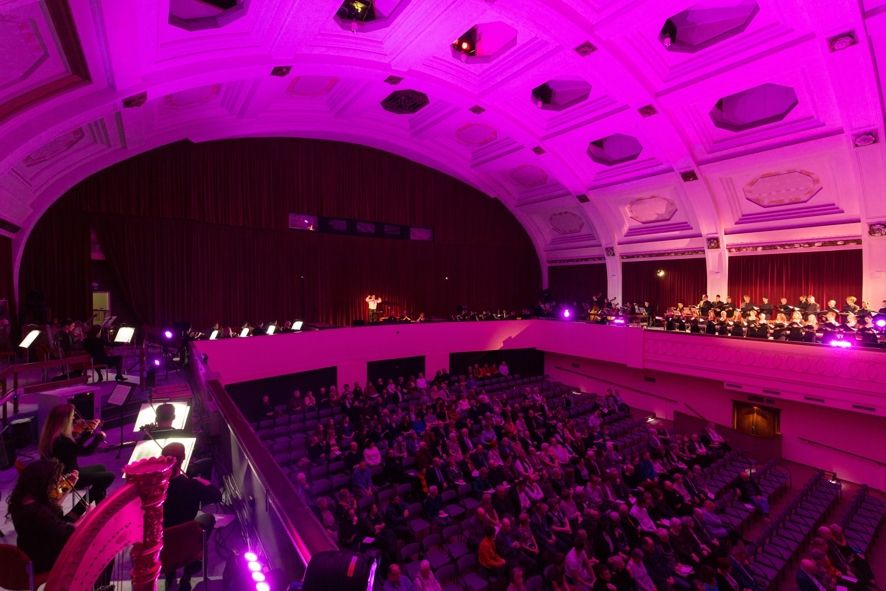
(7, 301)
(577, 283)
(833, 274)
(54, 277)
(684, 280)
(199, 233)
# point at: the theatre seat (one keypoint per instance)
(17, 571)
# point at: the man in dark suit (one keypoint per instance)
(785, 308)
(766, 308)
(807, 579)
(746, 305)
(802, 305)
(717, 305)
(882, 309)
(704, 306)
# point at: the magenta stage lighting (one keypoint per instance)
(156, 362)
(618, 321)
(567, 313)
(168, 334)
(250, 557)
(841, 344)
(881, 323)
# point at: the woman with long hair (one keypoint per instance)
(57, 441)
(41, 528)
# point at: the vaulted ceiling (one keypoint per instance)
(616, 126)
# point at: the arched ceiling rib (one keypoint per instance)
(738, 119)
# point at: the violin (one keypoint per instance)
(63, 487)
(81, 426)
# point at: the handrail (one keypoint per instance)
(611, 383)
(842, 451)
(11, 394)
(306, 533)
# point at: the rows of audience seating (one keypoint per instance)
(557, 489)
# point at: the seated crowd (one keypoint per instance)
(516, 484)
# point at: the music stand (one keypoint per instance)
(119, 396)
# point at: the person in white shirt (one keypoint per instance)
(373, 301)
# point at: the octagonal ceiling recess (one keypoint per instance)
(195, 15)
(368, 15)
(743, 88)
(766, 103)
(615, 149)
(707, 23)
(22, 49)
(650, 210)
(789, 187)
(475, 134)
(405, 102)
(484, 42)
(556, 95)
(529, 176)
(566, 222)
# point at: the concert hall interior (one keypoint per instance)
(454, 295)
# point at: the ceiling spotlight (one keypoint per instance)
(660, 273)
(356, 10)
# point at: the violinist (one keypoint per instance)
(34, 507)
(62, 441)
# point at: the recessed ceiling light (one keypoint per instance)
(868, 138)
(586, 49)
(842, 41)
(538, 150)
(281, 71)
(393, 80)
(477, 109)
(647, 111)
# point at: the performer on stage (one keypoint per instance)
(373, 301)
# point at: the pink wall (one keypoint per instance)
(238, 360)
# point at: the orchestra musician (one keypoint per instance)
(35, 508)
(95, 346)
(184, 497)
(64, 440)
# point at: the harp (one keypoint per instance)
(131, 517)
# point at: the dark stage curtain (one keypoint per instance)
(685, 280)
(199, 233)
(54, 277)
(833, 274)
(7, 301)
(577, 283)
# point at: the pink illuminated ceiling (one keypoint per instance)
(772, 105)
